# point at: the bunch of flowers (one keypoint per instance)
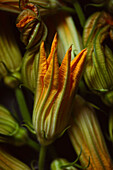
(56, 84)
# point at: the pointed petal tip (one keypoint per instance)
(80, 58)
(55, 38)
(42, 44)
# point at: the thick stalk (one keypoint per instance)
(33, 144)
(22, 105)
(79, 12)
(42, 157)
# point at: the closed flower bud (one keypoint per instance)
(8, 162)
(54, 93)
(97, 37)
(29, 69)
(86, 133)
(10, 55)
(32, 29)
(66, 28)
(10, 131)
(58, 164)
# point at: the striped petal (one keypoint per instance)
(77, 66)
(53, 47)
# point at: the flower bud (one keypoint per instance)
(66, 28)
(29, 69)
(97, 37)
(58, 164)
(32, 29)
(8, 162)
(56, 87)
(10, 55)
(86, 133)
(10, 132)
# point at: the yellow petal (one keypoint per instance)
(53, 47)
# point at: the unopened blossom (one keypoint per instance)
(85, 133)
(97, 37)
(55, 90)
(10, 54)
(8, 162)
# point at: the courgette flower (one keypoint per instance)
(86, 134)
(10, 54)
(56, 87)
(98, 39)
(10, 131)
(8, 162)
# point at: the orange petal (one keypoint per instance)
(50, 88)
(53, 47)
(64, 70)
(42, 61)
(51, 85)
(77, 66)
(42, 69)
(64, 86)
(75, 61)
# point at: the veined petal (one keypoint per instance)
(77, 66)
(75, 61)
(64, 70)
(42, 68)
(54, 88)
(50, 88)
(53, 47)
(40, 79)
(63, 94)
(43, 61)
(51, 84)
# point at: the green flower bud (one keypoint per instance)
(85, 133)
(10, 56)
(8, 162)
(58, 164)
(10, 131)
(97, 38)
(29, 69)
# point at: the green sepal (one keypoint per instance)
(75, 163)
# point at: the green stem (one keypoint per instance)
(22, 105)
(79, 12)
(33, 144)
(67, 9)
(42, 157)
